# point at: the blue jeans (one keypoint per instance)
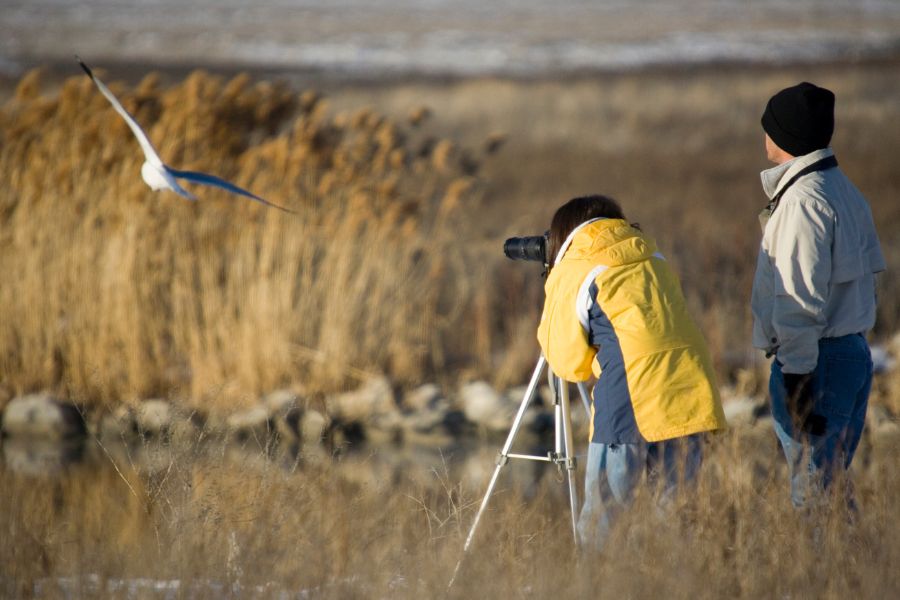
(840, 385)
(614, 472)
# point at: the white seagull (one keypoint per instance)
(157, 174)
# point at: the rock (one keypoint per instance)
(882, 361)
(742, 410)
(456, 424)
(482, 404)
(118, 424)
(542, 423)
(281, 402)
(881, 422)
(543, 397)
(438, 428)
(253, 423)
(424, 398)
(428, 418)
(346, 434)
(153, 418)
(423, 420)
(367, 413)
(513, 399)
(312, 426)
(375, 397)
(541, 405)
(42, 415)
(285, 412)
(385, 421)
(288, 424)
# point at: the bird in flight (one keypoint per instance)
(157, 174)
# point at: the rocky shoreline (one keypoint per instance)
(373, 414)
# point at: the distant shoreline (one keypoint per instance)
(133, 71)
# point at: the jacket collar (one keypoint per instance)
(571, 236)
(775, 178)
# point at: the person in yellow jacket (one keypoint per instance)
(614, 310)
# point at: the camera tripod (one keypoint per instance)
(562, 455)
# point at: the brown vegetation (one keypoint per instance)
(393, 265)
(387, 526)
(112, 292)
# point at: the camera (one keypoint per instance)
(532, 247)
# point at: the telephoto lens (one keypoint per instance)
(526, 248)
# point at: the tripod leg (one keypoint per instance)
(503, 458)
(570, 454)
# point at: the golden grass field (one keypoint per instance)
(393, 265)
(208, 518)
(215, 301)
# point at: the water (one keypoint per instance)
(381, 467)
(157, 497)
(466, 37)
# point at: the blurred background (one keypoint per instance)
(188, 380)
(461, 37)
(413, 136)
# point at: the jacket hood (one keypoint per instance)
(610, 242)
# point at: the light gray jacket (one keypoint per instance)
(815, 273)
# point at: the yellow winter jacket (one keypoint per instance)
(613, 306)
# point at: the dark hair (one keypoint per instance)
(575, 212)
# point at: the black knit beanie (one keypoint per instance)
(800, 119)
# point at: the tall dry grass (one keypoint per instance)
(393, 264)
(210, 519)
(112, 292)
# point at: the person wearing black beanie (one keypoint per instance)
(813, 296)
(800, 119)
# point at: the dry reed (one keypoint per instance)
(113, 293)
(382, 525)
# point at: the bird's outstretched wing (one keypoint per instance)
(206, 179)
(149, 151)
